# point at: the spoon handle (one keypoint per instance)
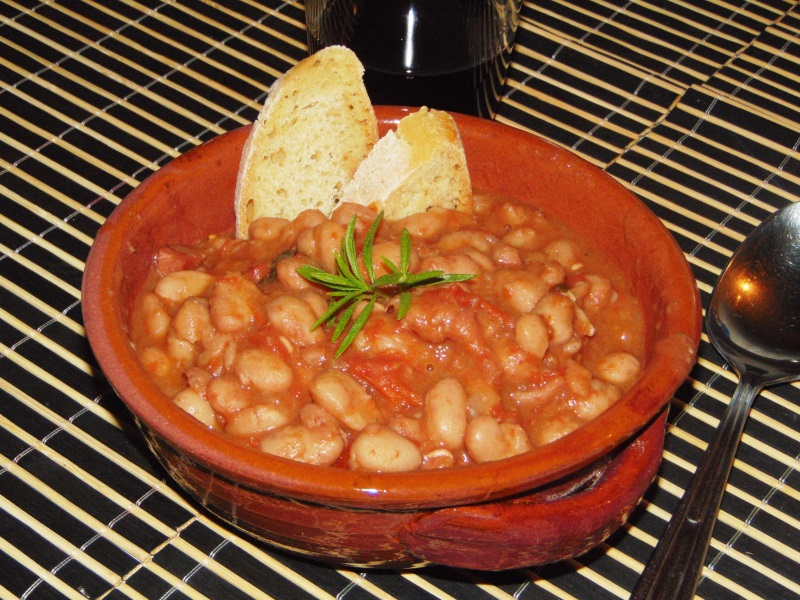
(675, 566)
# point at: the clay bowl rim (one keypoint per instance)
(419, 489)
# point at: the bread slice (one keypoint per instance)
(316, 126)
(420, 165)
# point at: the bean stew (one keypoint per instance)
(544, 338)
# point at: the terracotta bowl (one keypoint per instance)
(554, 502)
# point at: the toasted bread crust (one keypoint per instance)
(315, 144)
(419, 166)
(315, 128)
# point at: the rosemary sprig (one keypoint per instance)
(348, 287)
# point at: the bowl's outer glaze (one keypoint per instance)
(192, 197)
(546, 525)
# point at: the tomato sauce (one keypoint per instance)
(542, 339)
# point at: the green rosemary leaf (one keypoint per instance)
(369, 240)
(347, 288)
(405, 250)
(311, 272)
(404, 304)
(319, 276)
(345, 291)
(425, 278)
(308, 270)
(357, 326)
(345, 272)
(389, 279)
(334, 307)
(456, 277)
(341, 323)
(390, 265)
(349, 248)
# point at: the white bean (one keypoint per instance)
(565, 252)
(294, 318)
(483, 402)
(391, 251)
(523, 289)
(263, 370)
(256, 419)
(156, 361)
(522, 238)
(445, 413)
(601, 396)
(572, 346)
(519, 214)
(453, 263)
(440, 458)
(194, 404)
(157, 318)
(286, 270)
(536, 394)
(180, 285)
(344, 398)
(181, 351)
(552, 273)
(316, 301)
(458, 241)
(313, 416)
(531, 334)
(198, 379)
(235, 304)
(267, 229)
(193, 320)
(484, 261)
(487, 439)
(515, 361)
(379, 449)
(316, 446)
(219, 351)
(583, 326)
(595, 293)
(388, 341)
(307, 219)
(322, 243)
(345, 211)
(226, 395)
(410, 428)
(619, 368)
(558, 312)
(506, 256)
(554, 428)
(578, 378)
(484, 440)
(426, 225)
(516, 438)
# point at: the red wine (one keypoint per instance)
(469, 91)
(445, 54)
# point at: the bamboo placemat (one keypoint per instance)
(695, 106)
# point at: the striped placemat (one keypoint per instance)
(694, 105)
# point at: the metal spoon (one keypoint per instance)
(754, 322)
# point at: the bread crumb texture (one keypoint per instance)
(419, 166)
(315, 128)
(315, 143)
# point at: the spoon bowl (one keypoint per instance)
(754, 322)
(753, 319)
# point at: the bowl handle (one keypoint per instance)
(527, 530)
